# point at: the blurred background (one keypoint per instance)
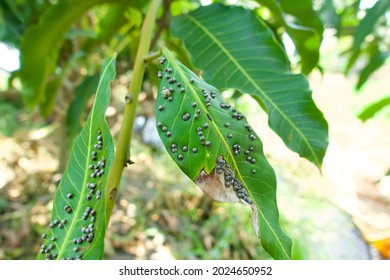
(342, 212)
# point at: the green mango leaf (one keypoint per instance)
(374, 108)
(41, 45)
(375, 62)
(214, 146)
(235, 49)
(78, 223)
(303, 25)
(367, 24)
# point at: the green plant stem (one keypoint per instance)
(125, 133)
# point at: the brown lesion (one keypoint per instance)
(113, 193)
(213, 185)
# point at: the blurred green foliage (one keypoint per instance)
(100, 30)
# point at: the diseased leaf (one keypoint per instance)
(78, 223)
(235, 49)
(214, 146)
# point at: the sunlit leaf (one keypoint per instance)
(303, 25)
(77, 108)
(214, 146)
(374, 108)
(375, 62)
(367, 24)
(78, 222)
(235, 49)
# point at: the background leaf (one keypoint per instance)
(374, 108)
(375, 62)
(77, 107)
(367, 24)
(214, 146)
(41, 44)
(303, 26)
(78, 222)
(236, 50)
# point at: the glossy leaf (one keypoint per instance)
(214, 146)
(303, 25)
(374, 108)
(78, 223)
(41, 44)
(235, 49)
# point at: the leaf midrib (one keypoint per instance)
(214, 39)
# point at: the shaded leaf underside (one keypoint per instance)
(78, 223)
(236, 50)
(215, 147)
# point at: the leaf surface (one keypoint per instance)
(78, 223)
(235, 49)
(214, 146)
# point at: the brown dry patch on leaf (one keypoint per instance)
(214, 186)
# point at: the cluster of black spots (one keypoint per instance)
(163, 59)
(186, 116)
(251, 159)
(48, 251)
(236, 149)
(231, 181)
(68, 209)
(237, 115)
(224, 105)
(249, 128)
(97, 169)
(174, 148)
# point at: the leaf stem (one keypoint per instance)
(152, 56)
(125, 133)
